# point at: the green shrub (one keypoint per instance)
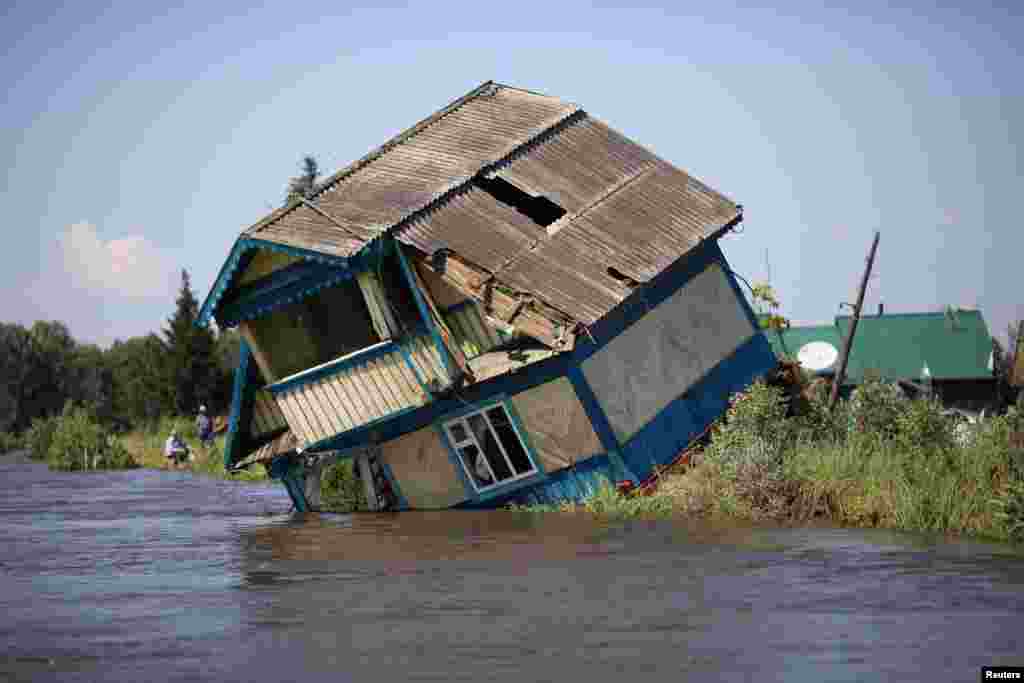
(874, 407)
(340, 489)
(818, 424)
(1009, 510)
(754, 432)
(10, 442)
(921, 428)
(80, 442)
(39, 436)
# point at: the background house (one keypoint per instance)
(950, 352)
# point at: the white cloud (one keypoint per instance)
(131, 266)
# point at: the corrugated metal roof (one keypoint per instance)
(415, 169)
(900, 345)
(626, 210)
(955, 346)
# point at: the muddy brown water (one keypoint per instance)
(156, 575)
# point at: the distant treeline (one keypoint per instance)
(135, 381)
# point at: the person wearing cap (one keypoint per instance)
(175, 450)
(204, 426)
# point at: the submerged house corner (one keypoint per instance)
(501, 304)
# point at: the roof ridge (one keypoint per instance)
(486, 88)
(917, 314)
(373, 155)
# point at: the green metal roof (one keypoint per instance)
(953, 345)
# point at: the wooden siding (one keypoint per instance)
(362, 391)
(469, 330)
(266, 416)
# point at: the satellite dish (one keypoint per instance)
(817, 355)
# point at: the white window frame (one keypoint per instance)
(471, 440)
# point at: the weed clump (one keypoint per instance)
(340, 489)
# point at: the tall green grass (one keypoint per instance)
(147, 445)
(876, 460)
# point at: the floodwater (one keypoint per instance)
(155, 575)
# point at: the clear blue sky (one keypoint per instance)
(136, 143)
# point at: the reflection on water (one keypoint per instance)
(161, 575)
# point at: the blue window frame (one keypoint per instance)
(491, 450)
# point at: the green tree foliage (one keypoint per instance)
(304, 184)
(50, 378)
(79, 442)
(141, 391)
(17, 360)
(767, 306)
(191, 364)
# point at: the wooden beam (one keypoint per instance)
(245, 329)
(848, 342)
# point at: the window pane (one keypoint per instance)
(485, 437)
(510, 440)
(458, 432)
(475, 466)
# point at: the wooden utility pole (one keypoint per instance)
(848, 342)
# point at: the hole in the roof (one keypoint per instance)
(621, 277)
(540, 210)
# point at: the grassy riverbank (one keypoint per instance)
(147, 446)
(875, 461)
(76, 441)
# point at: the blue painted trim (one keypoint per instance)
(517, 425)
(403, 504)
(424, 310)
(234, 260)
(283, 287)
(334, 367)
(415, 372)
(362, 434)
(719, 256)
(453, 458)
(412, 419)
(598, 418)
(643, 299)
(220, 285)
(455, 308)
(235, 441)
(286, 468)
(571, 484)
(686, 417)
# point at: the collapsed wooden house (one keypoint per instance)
(503, 303)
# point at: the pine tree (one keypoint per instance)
(191, 362)
(304, 184)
